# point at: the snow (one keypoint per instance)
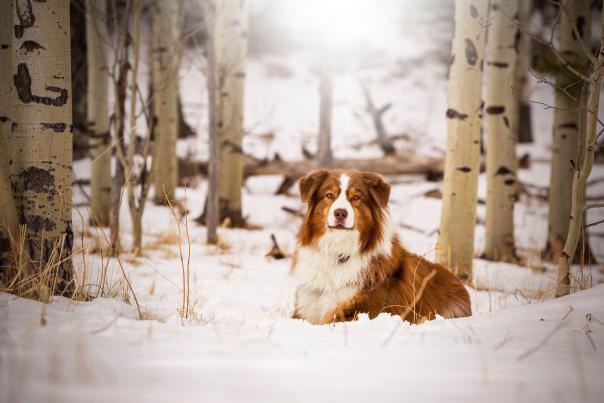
(238, 342)
(97, 351)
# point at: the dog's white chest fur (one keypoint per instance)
(325, 280)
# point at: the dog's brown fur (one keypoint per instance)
(391, 282)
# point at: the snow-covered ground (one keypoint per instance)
(243, 347)
(238, 342)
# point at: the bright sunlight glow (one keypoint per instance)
(334, 23)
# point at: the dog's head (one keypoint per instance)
(344, 203)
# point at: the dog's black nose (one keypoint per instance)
(340, 214)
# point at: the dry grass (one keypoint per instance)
(27, 278)
(220, 248)
(164, 242)
(185, 308)
(194, 316)
(162, 239)
(24, 277)
(150, 315)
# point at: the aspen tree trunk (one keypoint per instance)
(581, 174)
(120, 84)
(569, 122)
(231, 26)
(462, 163)
(166, 56)
(523, 63)
(136, 205)
(42, 133)
(99, 136)
(501, 138)
(324, 154)
(211, 210)
(6, 54)
(9, 222)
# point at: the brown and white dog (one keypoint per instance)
(349, 260)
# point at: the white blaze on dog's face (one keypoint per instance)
(341, 213)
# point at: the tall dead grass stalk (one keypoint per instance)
(185, 269)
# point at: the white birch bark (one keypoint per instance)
(166, 61)
(136, 203)
(569, 121)
(581, 173)
(324, 154)
(500, 108)
(212, 209)
(231, 27)
(41, 133)
(98, 112)
(462, 164)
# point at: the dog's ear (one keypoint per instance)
(378, 187)
(311, 183)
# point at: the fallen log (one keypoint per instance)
(432, 167)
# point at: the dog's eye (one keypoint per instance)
(330, 196)
(356, 198)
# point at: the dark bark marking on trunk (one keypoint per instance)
(496, 109)
(503, 170)
(4, 46)
(30, 46)
(37, 223)
(68, 236)
(22, 81)
(37, 180)
(25, 15)
(473, 11)
(464, 169)
(56, 127)
(517, 38)
(453, 114)
(105, 137)
(500, 65)
(506, 122)
(509, 182)
(471, 53)
(234, 148)
(570, 125)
